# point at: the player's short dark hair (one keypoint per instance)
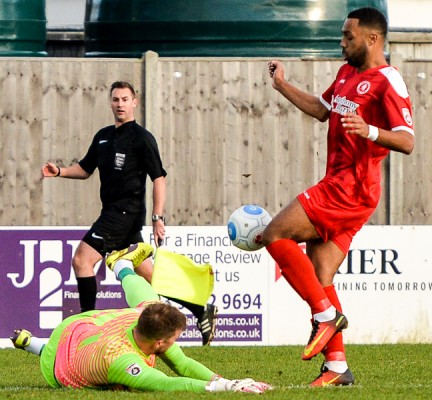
(160, 321)
(122, 85)
(371, 18)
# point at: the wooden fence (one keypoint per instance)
(216, 122)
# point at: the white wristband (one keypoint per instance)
(373, 133)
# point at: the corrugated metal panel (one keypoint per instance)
(22, 28)
(245, 28)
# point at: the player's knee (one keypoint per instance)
(77, 264)
(273, 232)
(81, 266)
(268, 236)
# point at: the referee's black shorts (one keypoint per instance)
(114, 230)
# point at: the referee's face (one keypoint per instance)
(123, 104)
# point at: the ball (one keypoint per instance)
(246, 225)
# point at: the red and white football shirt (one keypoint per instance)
(342, 202)
(379, 95)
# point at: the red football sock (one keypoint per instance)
(298, 270)
(335, 349)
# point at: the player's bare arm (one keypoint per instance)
(159, 195)
(305, 102)
(401, 141)
(50, 170)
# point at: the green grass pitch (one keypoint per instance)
(400, 371)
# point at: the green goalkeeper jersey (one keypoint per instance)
(96, 349)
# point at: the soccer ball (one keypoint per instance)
(246, 225)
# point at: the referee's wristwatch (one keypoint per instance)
(156, 217)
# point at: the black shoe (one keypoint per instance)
(207, 324)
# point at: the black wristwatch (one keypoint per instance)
(156, 217)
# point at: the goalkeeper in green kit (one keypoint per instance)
(117, 348)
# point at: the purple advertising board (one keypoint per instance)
(38, 285)
(39, 290)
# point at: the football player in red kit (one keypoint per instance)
(369, 113)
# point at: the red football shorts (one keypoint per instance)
(335, 215)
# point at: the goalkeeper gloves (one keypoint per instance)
(248, 385)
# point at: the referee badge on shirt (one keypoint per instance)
(134, 369)
(119, 160)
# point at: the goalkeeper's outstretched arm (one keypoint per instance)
(136, 374)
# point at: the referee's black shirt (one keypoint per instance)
(124, 157)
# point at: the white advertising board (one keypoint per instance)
(384, 284)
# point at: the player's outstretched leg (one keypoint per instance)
(207, 324)
(322, 332)
(24, 340)
(136, 253)
(332, 378)
(21, 338)
(137, 290)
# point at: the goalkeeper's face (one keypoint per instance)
(162, 345)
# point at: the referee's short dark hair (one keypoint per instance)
(122, 85)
